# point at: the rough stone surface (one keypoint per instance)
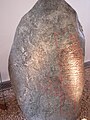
(46, 62)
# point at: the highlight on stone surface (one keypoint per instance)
(84, 119)
(46, 62)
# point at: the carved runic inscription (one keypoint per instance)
(53, 87)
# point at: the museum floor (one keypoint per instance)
(13, 111)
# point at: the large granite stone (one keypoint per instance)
(46, 62)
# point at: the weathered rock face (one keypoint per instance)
(46, 62)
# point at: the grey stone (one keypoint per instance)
(46, 62)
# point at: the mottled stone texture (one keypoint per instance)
(46, 62)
